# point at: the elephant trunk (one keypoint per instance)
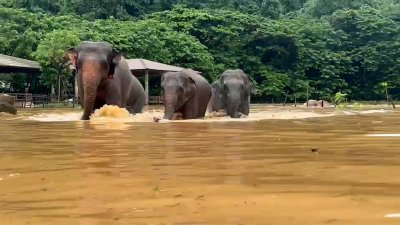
(90, 85)
(170, 102)
(169, 113)
(233, 106)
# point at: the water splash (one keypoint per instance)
(109, 113)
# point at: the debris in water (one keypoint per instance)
(315, 150)
(176, 204)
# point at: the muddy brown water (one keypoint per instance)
(251, 172)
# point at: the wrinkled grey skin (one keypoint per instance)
(186, 93)
(7, 108)
(104, 78)
(231, 93)
(217, 100)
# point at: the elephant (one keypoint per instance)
(186, 93)
(7, 108)
(231, 93)
(7, 104)
(104, 78)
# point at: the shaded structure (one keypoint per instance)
(140, 67)
(10, 64)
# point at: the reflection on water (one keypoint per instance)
(65, 171)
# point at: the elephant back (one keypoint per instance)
(7, 99)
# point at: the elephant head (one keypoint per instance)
(95, 63)
(236, 88)
(176, 89)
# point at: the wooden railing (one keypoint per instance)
(23, 100)
(28, 100)
(155, 100)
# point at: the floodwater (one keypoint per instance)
(336, 168)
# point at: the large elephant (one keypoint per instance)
(7, 108)
(7, 104)
(104, 78)
(231, 92)
(186, 93)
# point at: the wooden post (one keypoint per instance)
(75, 87)
(53, 92)
(391, 101)
(59, 88)
(307, 95)
(146, 86)
(284, 103)
(387, 96)
(295, 101)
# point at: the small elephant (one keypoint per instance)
(231, 92)
(104, 78)
(186, 93)
(7, 108)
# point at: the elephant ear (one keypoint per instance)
(222, 80)
(217, 88)
(163, 77)
(73, 56)
(250, 86)
(217, 96)
(116, 57)
(216, 85)
(190, 88)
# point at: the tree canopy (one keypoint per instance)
(285, 46)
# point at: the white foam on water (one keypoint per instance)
(56, 117)
(392, 215)
(382, 135)
(114, 114)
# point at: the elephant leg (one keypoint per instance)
(138, 105)
(190, 109)
(98, 103)
(114, 99)
(245, 109)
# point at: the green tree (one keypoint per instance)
(51, 54)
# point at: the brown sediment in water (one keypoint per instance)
(201, 173)
(257, 172)
(258, 113)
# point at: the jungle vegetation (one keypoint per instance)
(286, 46)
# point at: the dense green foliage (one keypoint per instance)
(325, 47)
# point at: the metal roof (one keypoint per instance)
(9, 64)
(139, 66)
(144, 64)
